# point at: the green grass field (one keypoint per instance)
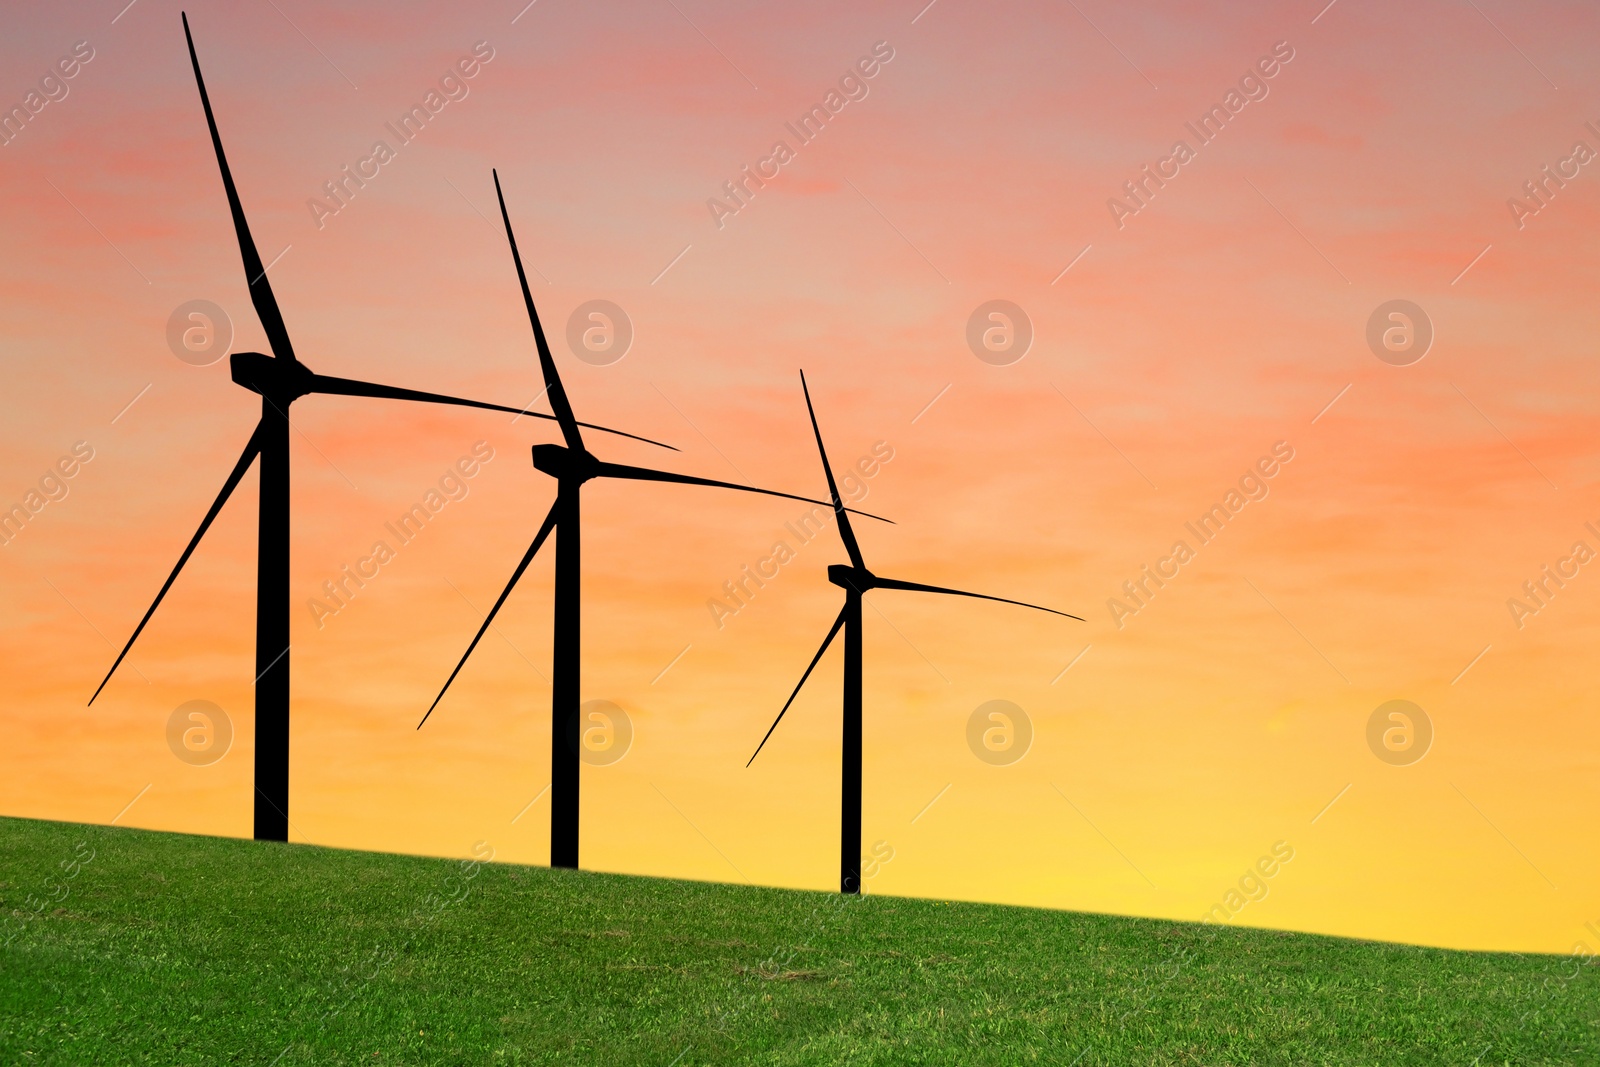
(125, 946)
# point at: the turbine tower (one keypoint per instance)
(856, 580)
(571, 465)
(280, 379)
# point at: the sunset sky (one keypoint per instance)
(1178, 340)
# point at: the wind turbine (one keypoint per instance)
(571, 465)
(280, 379)
(855, 579)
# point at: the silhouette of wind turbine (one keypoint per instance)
(570, 465)
(280, 379)
(855, 579)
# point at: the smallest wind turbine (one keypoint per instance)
(856, 580)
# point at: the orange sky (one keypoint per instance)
(1220, 319)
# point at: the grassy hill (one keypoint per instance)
(125, 946)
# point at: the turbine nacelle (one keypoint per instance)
(263, 374)
(564, 464)
(852, 579)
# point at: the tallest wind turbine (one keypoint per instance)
(280, 379)
(856, 580)
(571, 465)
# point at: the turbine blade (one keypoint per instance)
(846, 534)
(527, 558)
(323, 383)
(255, 275)
(645, 474)
(252, 448)
(826, 641)
(918, 587)
(547, 364)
